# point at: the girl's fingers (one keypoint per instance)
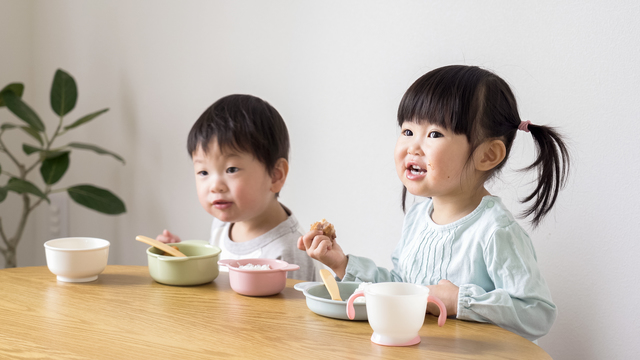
(308, 238)
(318, 240)
(301, 243)
(321, 247)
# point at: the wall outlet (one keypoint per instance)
(59, 215)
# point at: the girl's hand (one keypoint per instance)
(448, 293)
(325, 250)
(167, 237)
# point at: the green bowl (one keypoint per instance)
(199, 267)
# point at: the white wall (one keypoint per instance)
(336, 71)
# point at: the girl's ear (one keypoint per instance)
(279, 175)
(489, 155)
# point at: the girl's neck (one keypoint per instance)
(250, 229)
(447, 209)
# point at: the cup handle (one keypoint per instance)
(351, 311)
(443, 309)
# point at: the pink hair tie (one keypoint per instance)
(524, 126)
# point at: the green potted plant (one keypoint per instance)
(52, 161)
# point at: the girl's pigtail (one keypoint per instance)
(552, 164)
(404, 199)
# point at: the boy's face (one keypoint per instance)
(232, 186)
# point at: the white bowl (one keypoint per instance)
(77, 259)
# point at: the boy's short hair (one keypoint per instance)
(242, 123)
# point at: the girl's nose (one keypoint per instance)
(414, 148)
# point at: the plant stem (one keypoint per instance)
(8, 174)
(46, 192)
(15, 161)
(4, 238)
(23, 220)
(33, 166)
(48, 145)
(55, 134)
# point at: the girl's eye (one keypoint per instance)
(232, 170)
(203, 173)
(407, 132)
(435, 134)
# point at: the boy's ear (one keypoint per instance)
(489, 155)
(279, 175)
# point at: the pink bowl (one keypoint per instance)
(258, 282)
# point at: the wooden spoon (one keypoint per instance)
(331, 284)
(162, 246)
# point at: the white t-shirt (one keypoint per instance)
(278, 243)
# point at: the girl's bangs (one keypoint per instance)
(427, 106)
(441, 97)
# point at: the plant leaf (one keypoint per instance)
(85, 119)
(16, 88)
(96, 149)
(98, 199)
(22, 186)
(52, 169)
(6, 126)
(3, 194)
(28, 149)
(33, 132)
(64, 93)
(22, 110)
(53, 153)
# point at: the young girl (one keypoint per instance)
(457, 127)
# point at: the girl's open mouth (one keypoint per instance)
(415, 172)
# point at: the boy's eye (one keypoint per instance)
(232, 170)
(407, 132)
(435, 134)
(203, 173)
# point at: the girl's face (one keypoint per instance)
(430, 160)
(232, 186)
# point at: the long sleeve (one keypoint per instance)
(521, 301)
(365, 270)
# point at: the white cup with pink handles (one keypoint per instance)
(396, 311)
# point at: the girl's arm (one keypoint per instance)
(365, 270)
(521, 301)
(347, 268)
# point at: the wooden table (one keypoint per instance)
(126, 315)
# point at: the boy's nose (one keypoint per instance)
(218, 187)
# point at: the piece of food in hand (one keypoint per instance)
(326, 227)
(167, 254)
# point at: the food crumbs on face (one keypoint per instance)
(254, 267)
(326, 227)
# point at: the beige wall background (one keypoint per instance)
(336, 71)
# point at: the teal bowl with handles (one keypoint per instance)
(199, 267)
(319, 301)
